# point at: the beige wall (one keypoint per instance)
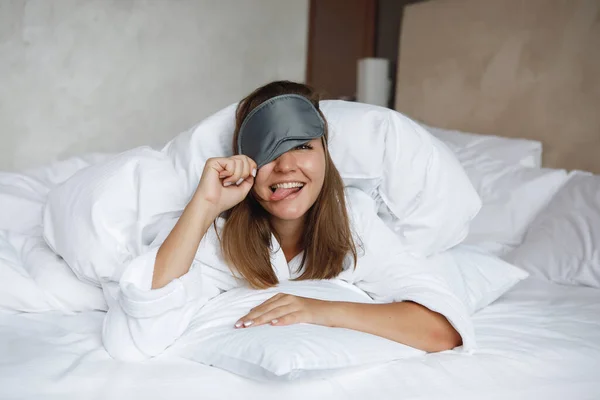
(106, 75)
(507, 67)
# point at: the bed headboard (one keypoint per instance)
(515, 68)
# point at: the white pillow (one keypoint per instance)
(512, 196)
(527, 153)
(283, 353)
(304, 350)
(475, 277)
(563, 243)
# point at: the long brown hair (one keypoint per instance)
(327, 239)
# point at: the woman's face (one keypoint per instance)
(288, 186)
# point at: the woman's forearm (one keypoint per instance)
(176, 254)
(404, 322)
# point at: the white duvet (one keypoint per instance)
(540, 341)
(32, 277)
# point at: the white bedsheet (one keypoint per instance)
(540, 341)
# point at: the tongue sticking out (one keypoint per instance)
(281, 193)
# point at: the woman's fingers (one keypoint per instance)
(246, 168)
(225, 173)
(231, 171)
(278, 300)
(237, 173)
(238, 177)
(243, 170)
(234, 170)
(287, 309)
(295, 317)
(253, 168)
(275, 314)
(225, 167)
(258, 311)
(250, 168)
(250, 172)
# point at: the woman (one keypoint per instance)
(278, 210)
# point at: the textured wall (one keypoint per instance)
(520, 68)
(106, 75)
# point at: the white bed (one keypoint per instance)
(539, 341)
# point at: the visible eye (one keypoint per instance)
(305, 146)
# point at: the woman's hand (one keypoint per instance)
(286, 309)
(225, 182)
(403, 322)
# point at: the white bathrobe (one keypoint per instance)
(141, 322)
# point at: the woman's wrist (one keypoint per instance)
(338, 313)
(204, 211)
(176, 254)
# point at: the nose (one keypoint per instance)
(286, 163)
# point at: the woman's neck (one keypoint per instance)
(290, 236)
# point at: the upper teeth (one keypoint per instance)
(287, 185)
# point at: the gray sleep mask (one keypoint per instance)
(279, 125)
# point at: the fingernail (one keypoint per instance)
(254, 172)
(274, 321)
(239, 181)
(248, 323)
(228, 184)
(238, 324)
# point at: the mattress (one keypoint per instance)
(540, 340)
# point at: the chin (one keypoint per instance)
(288, 212)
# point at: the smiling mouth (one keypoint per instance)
(287, 185)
